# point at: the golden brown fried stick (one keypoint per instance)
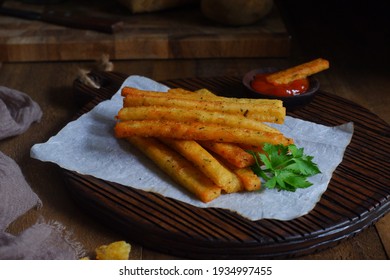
(298, 72)
(200, 95)
(205, 162)
(249, 179)
(178, 168)
(190, 115)
(197, 131)
(230, 152)
(265, 113)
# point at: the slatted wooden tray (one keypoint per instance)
(357, 196)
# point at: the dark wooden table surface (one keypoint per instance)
(355, 47)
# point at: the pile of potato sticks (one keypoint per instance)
(200, 139)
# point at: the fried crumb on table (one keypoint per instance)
(118, 250)
(115, 251)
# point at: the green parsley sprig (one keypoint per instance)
(284, 167)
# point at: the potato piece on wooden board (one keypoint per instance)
(118, 250)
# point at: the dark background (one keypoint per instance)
(346, 32)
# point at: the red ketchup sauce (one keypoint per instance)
(260, 84)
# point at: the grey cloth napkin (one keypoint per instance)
(44, 240)
(17, 112)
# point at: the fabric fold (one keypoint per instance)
(44, 240)
(17, 112)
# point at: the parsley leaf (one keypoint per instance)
(284, 167)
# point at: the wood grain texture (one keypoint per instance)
(383, 227)
(183, 33)
(355, 199)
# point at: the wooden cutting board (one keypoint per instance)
(178, 33)
(357, 196)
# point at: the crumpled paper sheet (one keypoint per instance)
(88, 146)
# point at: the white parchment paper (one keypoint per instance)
(88, 146)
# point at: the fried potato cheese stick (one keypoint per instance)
(190, 115)
(249, 179)
(198, 138)
(298, 72)
(231, 153)
(197, 131)
(178, 168)
(208, 164)
(202, 94)
(265, 113)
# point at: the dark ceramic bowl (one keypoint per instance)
(290, 102)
